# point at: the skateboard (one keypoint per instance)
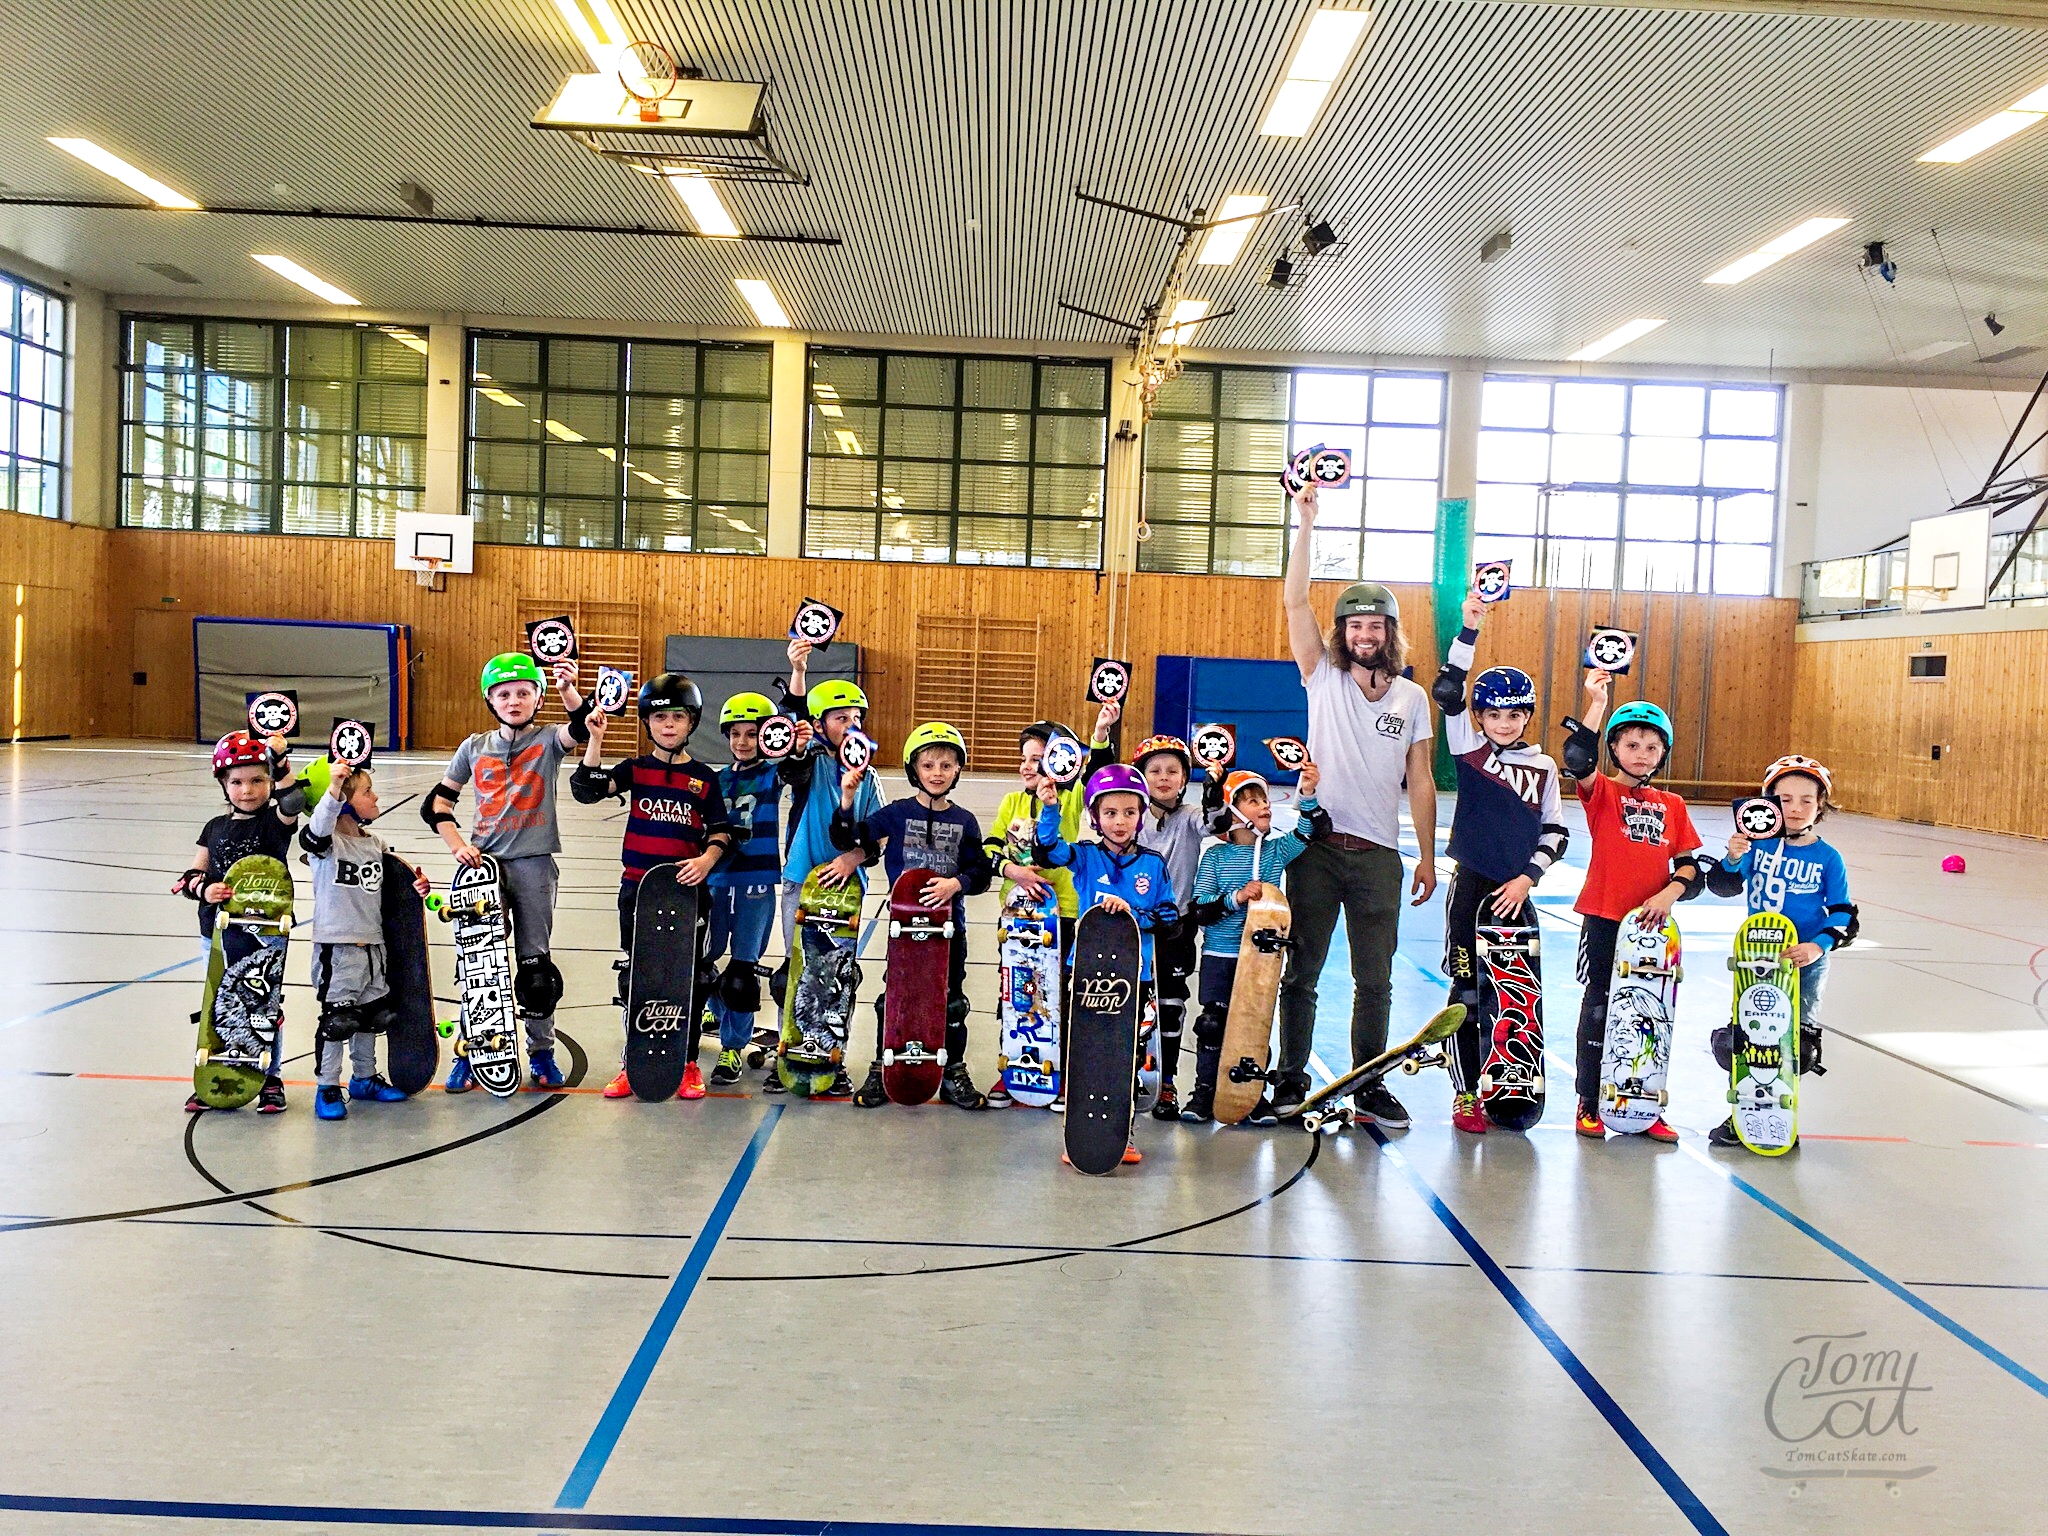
(914, 1002)
(1102, 1045)
(243, 1004)
(1511, 1021)
(1248, 1030)
(1325, 1109)
(661, 984)
(412, 1046)
(817, 1001)
(1028, 944)
(1764, 1077)
(475, 904)
(1640, 1004)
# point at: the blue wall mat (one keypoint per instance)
(1259, 698)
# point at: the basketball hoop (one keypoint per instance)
(432, 573)
(648, 73)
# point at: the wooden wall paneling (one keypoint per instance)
(59, 569)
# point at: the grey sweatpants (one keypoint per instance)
(530, 886)
(348, 976)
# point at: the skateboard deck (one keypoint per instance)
(817, 1000)
(475, 904)
(1764, 1077)
(1028, 940)
(914, 1002)
(1641, 1002)
(243, 1005)
(1511, 1022)
(661, 984)
(1103, 1040)
(1325, 1109)
(412, 1047)
(1248, 1030)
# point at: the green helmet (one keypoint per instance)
(935, 733)
(745, 709)
(1367, 599)
(835, 693)
(513, 667)
(316, 777)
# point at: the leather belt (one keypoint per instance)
(1349, 843)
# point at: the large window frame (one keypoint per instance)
(35, 374)
(610, 442)
(958, 459)
(258, 426)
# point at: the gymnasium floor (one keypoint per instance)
(747, 1314)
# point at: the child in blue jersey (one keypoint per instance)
(1805, 879)
(743, 885)
(1507, 832)
(1228, 880)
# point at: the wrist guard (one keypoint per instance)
(192, 884)
(579, 721)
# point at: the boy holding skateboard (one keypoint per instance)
(1805, 879)
(1227, 881)
(264, 801)
(674, 815)
(349, 978)
(1507, 832)
(1173, 830)
(742, 888)
(927, 831)
(1642, 857)
(516, 766)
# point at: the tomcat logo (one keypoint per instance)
(660, 1018)
(1101, 994)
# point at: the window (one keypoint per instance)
(1219, 438)
(968, 460)
(258, 427)
(608, 444)
(1652, 486)
(32, 357)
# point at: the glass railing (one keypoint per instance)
(1859, 585)
(2026, 584)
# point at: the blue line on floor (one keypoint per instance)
(626, 1396)
(42, 1013)
(1932, 1313)
(1688, 1502)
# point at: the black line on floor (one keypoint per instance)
(1997, 1098)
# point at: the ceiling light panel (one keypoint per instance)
(1319, 59)
(1797, 238)
(292, 272)
(762, 301)
(113, 165)
(1235, 218)
(705, 205)
(1616, 339)
(1995, 129)
(597, 28)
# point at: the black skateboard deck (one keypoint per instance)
(661, 984)
(1102, 1047)
(1510, 958)
(412, 1049)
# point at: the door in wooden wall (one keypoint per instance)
(160, 654)
(1923, 728)
(608, 635)
(979, 674)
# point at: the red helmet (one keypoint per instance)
(238, 749)
(1813, 768)
(1152, 746)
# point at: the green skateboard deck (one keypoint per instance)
(243, 1005)
(1764, 1077)
(817, 998)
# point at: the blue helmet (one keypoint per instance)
(1504, 688)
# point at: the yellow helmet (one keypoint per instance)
(933, 733)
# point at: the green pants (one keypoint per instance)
(1365, 886)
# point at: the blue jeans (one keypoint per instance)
(741, 917)
(1811, 979)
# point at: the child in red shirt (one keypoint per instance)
(1643, 844)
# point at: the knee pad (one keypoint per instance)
(537, 986)
(1172, 1013)
(1209, 1024)
(956, 1010)
(778, 983)
(338, 1023)
(1809, 1051)
(740, 987)
(1723, 1041)
(623, 969)
(381, 1020)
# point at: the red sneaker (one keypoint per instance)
(1589, 1124)
(1132, 1154)
(693, 1083)
(1465, 1114)
(618, 1087)
(1659, 1131)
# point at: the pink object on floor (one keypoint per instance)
(1952, 865)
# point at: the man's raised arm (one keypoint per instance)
(1304, 637)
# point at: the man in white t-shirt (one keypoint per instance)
(1368, 731)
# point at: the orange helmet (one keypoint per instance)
(1813, 768)
(1243, 779)
(1152, 746)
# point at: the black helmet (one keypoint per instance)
(671, 690)
(1042, 730)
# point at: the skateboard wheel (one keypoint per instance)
(1609, 1094)
(895, 929)
(1731, 1095)
(1734, 964)
(1663, 1098)
(1677, 975)
(888, 1057)
(1312, 1122)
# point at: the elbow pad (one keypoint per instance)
(1449, 689)
(1208, 913)
(579, 722)
(315, 844)
(435, 808)
(1687, 872)
(1581, 750)
(1722, 880)
(590, 785)
(1846, 925)
(1316, 823)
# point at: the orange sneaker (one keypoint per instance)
(618, 1087)
(1465, 1114)
(1132, 1154)
(693, 1083)
(1659, 1131)
(1589, 1123)
(1066, 1161)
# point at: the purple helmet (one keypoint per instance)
(1116, 779)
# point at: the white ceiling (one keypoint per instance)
(1630, 151)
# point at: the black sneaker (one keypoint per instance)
(1263, 1113)
(271, 1100)
(773, 1082)
(957, 1088)
(1379, 1106)
(1289, 1091)
(1200, 1108)
(842, 1087)
(871, 1095)
(727, 1072)
(1723, 1135)
(1168, 1106)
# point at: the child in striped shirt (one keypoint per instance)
(1226, 882)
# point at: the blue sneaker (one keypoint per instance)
(328, 1104)
(459, 1080)
(542, 1072)
(375, 1089)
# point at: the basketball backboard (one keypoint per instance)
(1947, 560)
(434, 541)
(717, 109)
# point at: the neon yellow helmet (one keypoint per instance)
(316, 777)
(934, 733)
(512, 667)
(745, 709)
(834, 693)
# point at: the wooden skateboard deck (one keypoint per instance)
(475, 904)
(243, 1005)
(661, 984)
(412, 1046)
(1029, 1001)
(914, 999)
(1103, 1040)
(1764, 1076)
(1641, 1002)
(1510, 958)
(1325, 1109)
(1248, 1030)
(817, 999)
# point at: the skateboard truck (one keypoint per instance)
(1248, 1070)
(1271, 941)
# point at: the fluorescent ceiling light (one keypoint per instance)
(597, 28)
(501, 397)
(762, 301)
(1180, 324)
(1325, 48)
(292, 272)
(828, 401)
(566, 434)
(114, 166)
(405, 338)
(1798, 238)
(1225, 242)
(1934, 349)
(1998, 127)
(1615, 340)
(848, 441)
(702, 199)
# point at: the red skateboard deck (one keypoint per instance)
(914, 1004)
